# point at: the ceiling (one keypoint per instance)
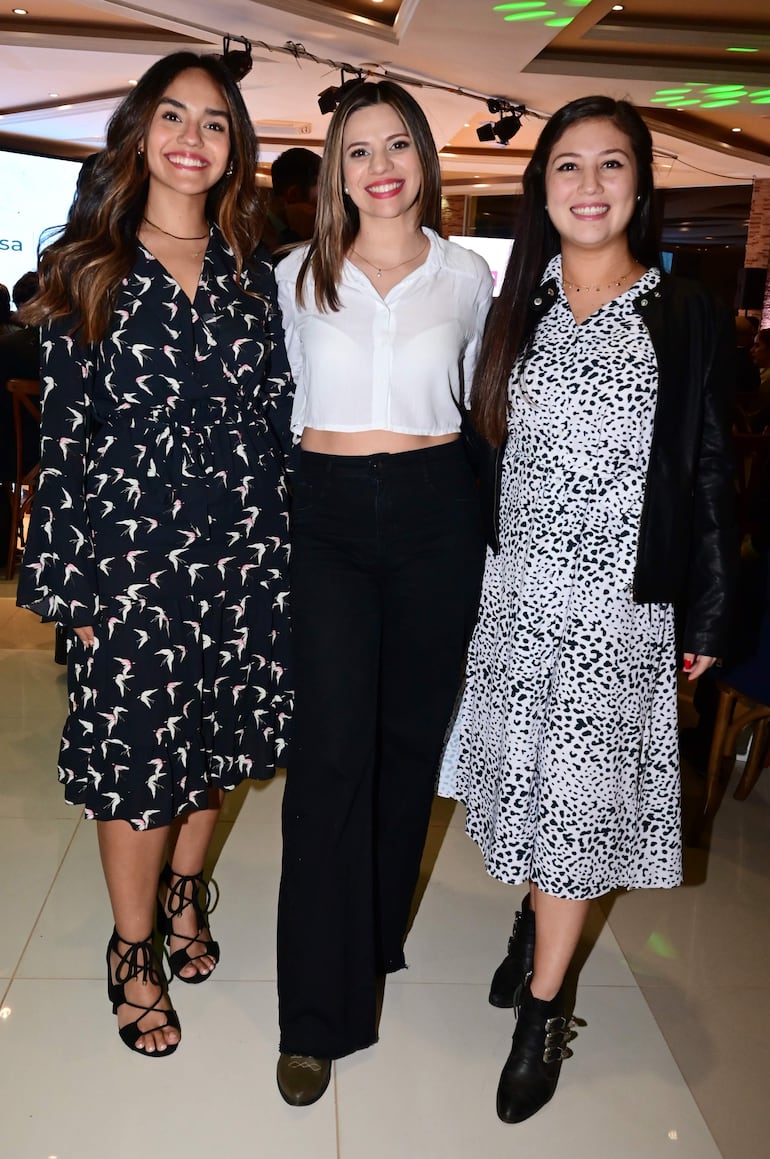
(699, 70)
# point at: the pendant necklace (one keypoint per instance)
(380, 270)
(598, 289)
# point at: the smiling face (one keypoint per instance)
(591, 184)
(380, 166)
(187, 144)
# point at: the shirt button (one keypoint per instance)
(538, 301)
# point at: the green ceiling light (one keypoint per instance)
(718, 104)
(759, 93)
(672, 92)
(685, 103)
(725, 90)
(760, 100)
(550, 13)
(742, 50)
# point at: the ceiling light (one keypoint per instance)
(735, 130)
(53, 94)
(331, 97)
(20, 12)
(618, 7)
(486, 132)
(237, 61)
(506, 127)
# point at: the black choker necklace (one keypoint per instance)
(176, 236)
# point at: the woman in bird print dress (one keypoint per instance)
(159, 528)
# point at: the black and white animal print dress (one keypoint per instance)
(161, 519)
(564, 749)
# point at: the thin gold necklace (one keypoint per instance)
(598, 289)
(176, 236)
(380, 270)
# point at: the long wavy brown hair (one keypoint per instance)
(81, 271)
(511, 323)
(337, 221)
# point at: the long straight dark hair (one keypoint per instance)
(511, 323)
(82, 269)
(336, 222)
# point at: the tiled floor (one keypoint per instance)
(673, 1059)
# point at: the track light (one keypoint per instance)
(506, 127)
(237, 61)
(331, 97)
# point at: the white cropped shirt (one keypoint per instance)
(398, 363)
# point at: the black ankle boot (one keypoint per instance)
(511, 974)
(531, 1072)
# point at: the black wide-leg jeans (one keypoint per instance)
(387, 556)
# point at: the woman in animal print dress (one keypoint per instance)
(604, 388)
(159, 532)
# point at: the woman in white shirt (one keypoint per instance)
(383, 320)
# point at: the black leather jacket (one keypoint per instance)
(687, 552)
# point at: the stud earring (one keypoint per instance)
(140, 152)
(229, 170)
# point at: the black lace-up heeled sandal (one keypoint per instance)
(518, 964)
(138, 960)
(185, 890)
(540, 1045)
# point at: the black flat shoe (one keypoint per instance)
(539, 1046)
(138, 960)
(183, 891)
(517, 965)
(302, 1079)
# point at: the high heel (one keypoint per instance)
(539, 1046)
(511, 974)
(138, 961)
(184, 890)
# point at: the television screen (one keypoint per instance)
(37, 194)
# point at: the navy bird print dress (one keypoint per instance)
(161, 520)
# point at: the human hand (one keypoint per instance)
(85, 635)
(695, 666)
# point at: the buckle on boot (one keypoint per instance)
(558, 1032)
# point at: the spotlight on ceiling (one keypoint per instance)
(331, 97)
(506, 127)
(486, 132)
(237, 61)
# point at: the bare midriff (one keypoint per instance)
(369, 442)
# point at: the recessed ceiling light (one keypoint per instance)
(133, 81)
(735, 130)
(20, 12)
(53, 94)
(618, 7)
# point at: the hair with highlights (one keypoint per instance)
(337, 221)
(81, 271)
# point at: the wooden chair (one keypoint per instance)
(735, 712)
(25, 394)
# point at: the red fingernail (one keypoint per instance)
(687, 665)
